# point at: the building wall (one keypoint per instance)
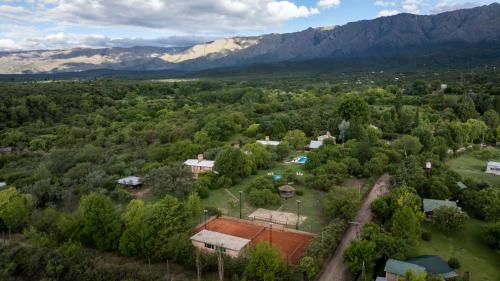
(201, 246)
(493, 170)
(391, 277)
(197, 170)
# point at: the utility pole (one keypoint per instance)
(205, 211)
(220, 263)
(198, 265)
(298, 215)
(358, 225)
(241, 192)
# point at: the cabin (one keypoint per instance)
(212, 241)
(130, 182)
(431, 204)
(493, 168)
(433, 265)
(315, 144)
(267, 141)
(396, 270)
(199, 165)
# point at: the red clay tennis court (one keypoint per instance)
(291, 243)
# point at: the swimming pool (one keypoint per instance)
(277, 177)
(301, 159)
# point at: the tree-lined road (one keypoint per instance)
(336, 270)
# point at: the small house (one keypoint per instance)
(286, 191)
(433, 265)
(131, 181)
(199, 165)
(395, 269)
(267, 141)
(212, 241)
(431, 204)
(493, 168)
(315, 144)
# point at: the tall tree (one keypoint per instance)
(101, 224)
(264, 263)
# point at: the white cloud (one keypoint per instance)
(446, 5)
(384, 3)
(325, 4)
(387, 13)
(412, 6)
(8, 45)
(18, 37)
(210, 16)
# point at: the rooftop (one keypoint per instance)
(291, 243)
(220, 239)
(132, 180)
(199, 163)
(461, 185)
(493, 163)
(400, 267)
(432, 204)
(315, 144)
(268, 142)
(434, 265)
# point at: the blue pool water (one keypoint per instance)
(302, 160)
(276, 177)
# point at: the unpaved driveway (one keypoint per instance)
(335, 270)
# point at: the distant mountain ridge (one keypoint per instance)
(402, 34)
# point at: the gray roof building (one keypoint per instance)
(432, 204)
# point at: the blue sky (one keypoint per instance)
(60, 24)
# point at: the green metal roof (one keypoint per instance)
(400, 267)
(432, 204)
(434, 265)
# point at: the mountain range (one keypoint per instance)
(466, 32)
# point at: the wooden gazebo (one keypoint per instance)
(286, 191)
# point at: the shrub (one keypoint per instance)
(203, 192)
(454, 263)
(260, 198)
(426, 236)
(213, 211)
(299, 192)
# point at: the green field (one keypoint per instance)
(468, 165)
(466, 245)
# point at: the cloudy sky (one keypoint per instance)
(58, 24)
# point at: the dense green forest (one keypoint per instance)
(64, 144)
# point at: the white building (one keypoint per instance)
(266, 141)
(131, 181)
(493, 168)
(2, 183)
(211, 241)
(315, 144)
(199, 165)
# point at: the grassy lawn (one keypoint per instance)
(466, 245)
(311, 202)
(469, 166)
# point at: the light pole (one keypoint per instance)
(206, 212)
(298, 215)
(241, 192)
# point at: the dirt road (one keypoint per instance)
(335, 270)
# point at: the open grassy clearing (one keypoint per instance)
(468, 165)
(482, 262)
(311, 201)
